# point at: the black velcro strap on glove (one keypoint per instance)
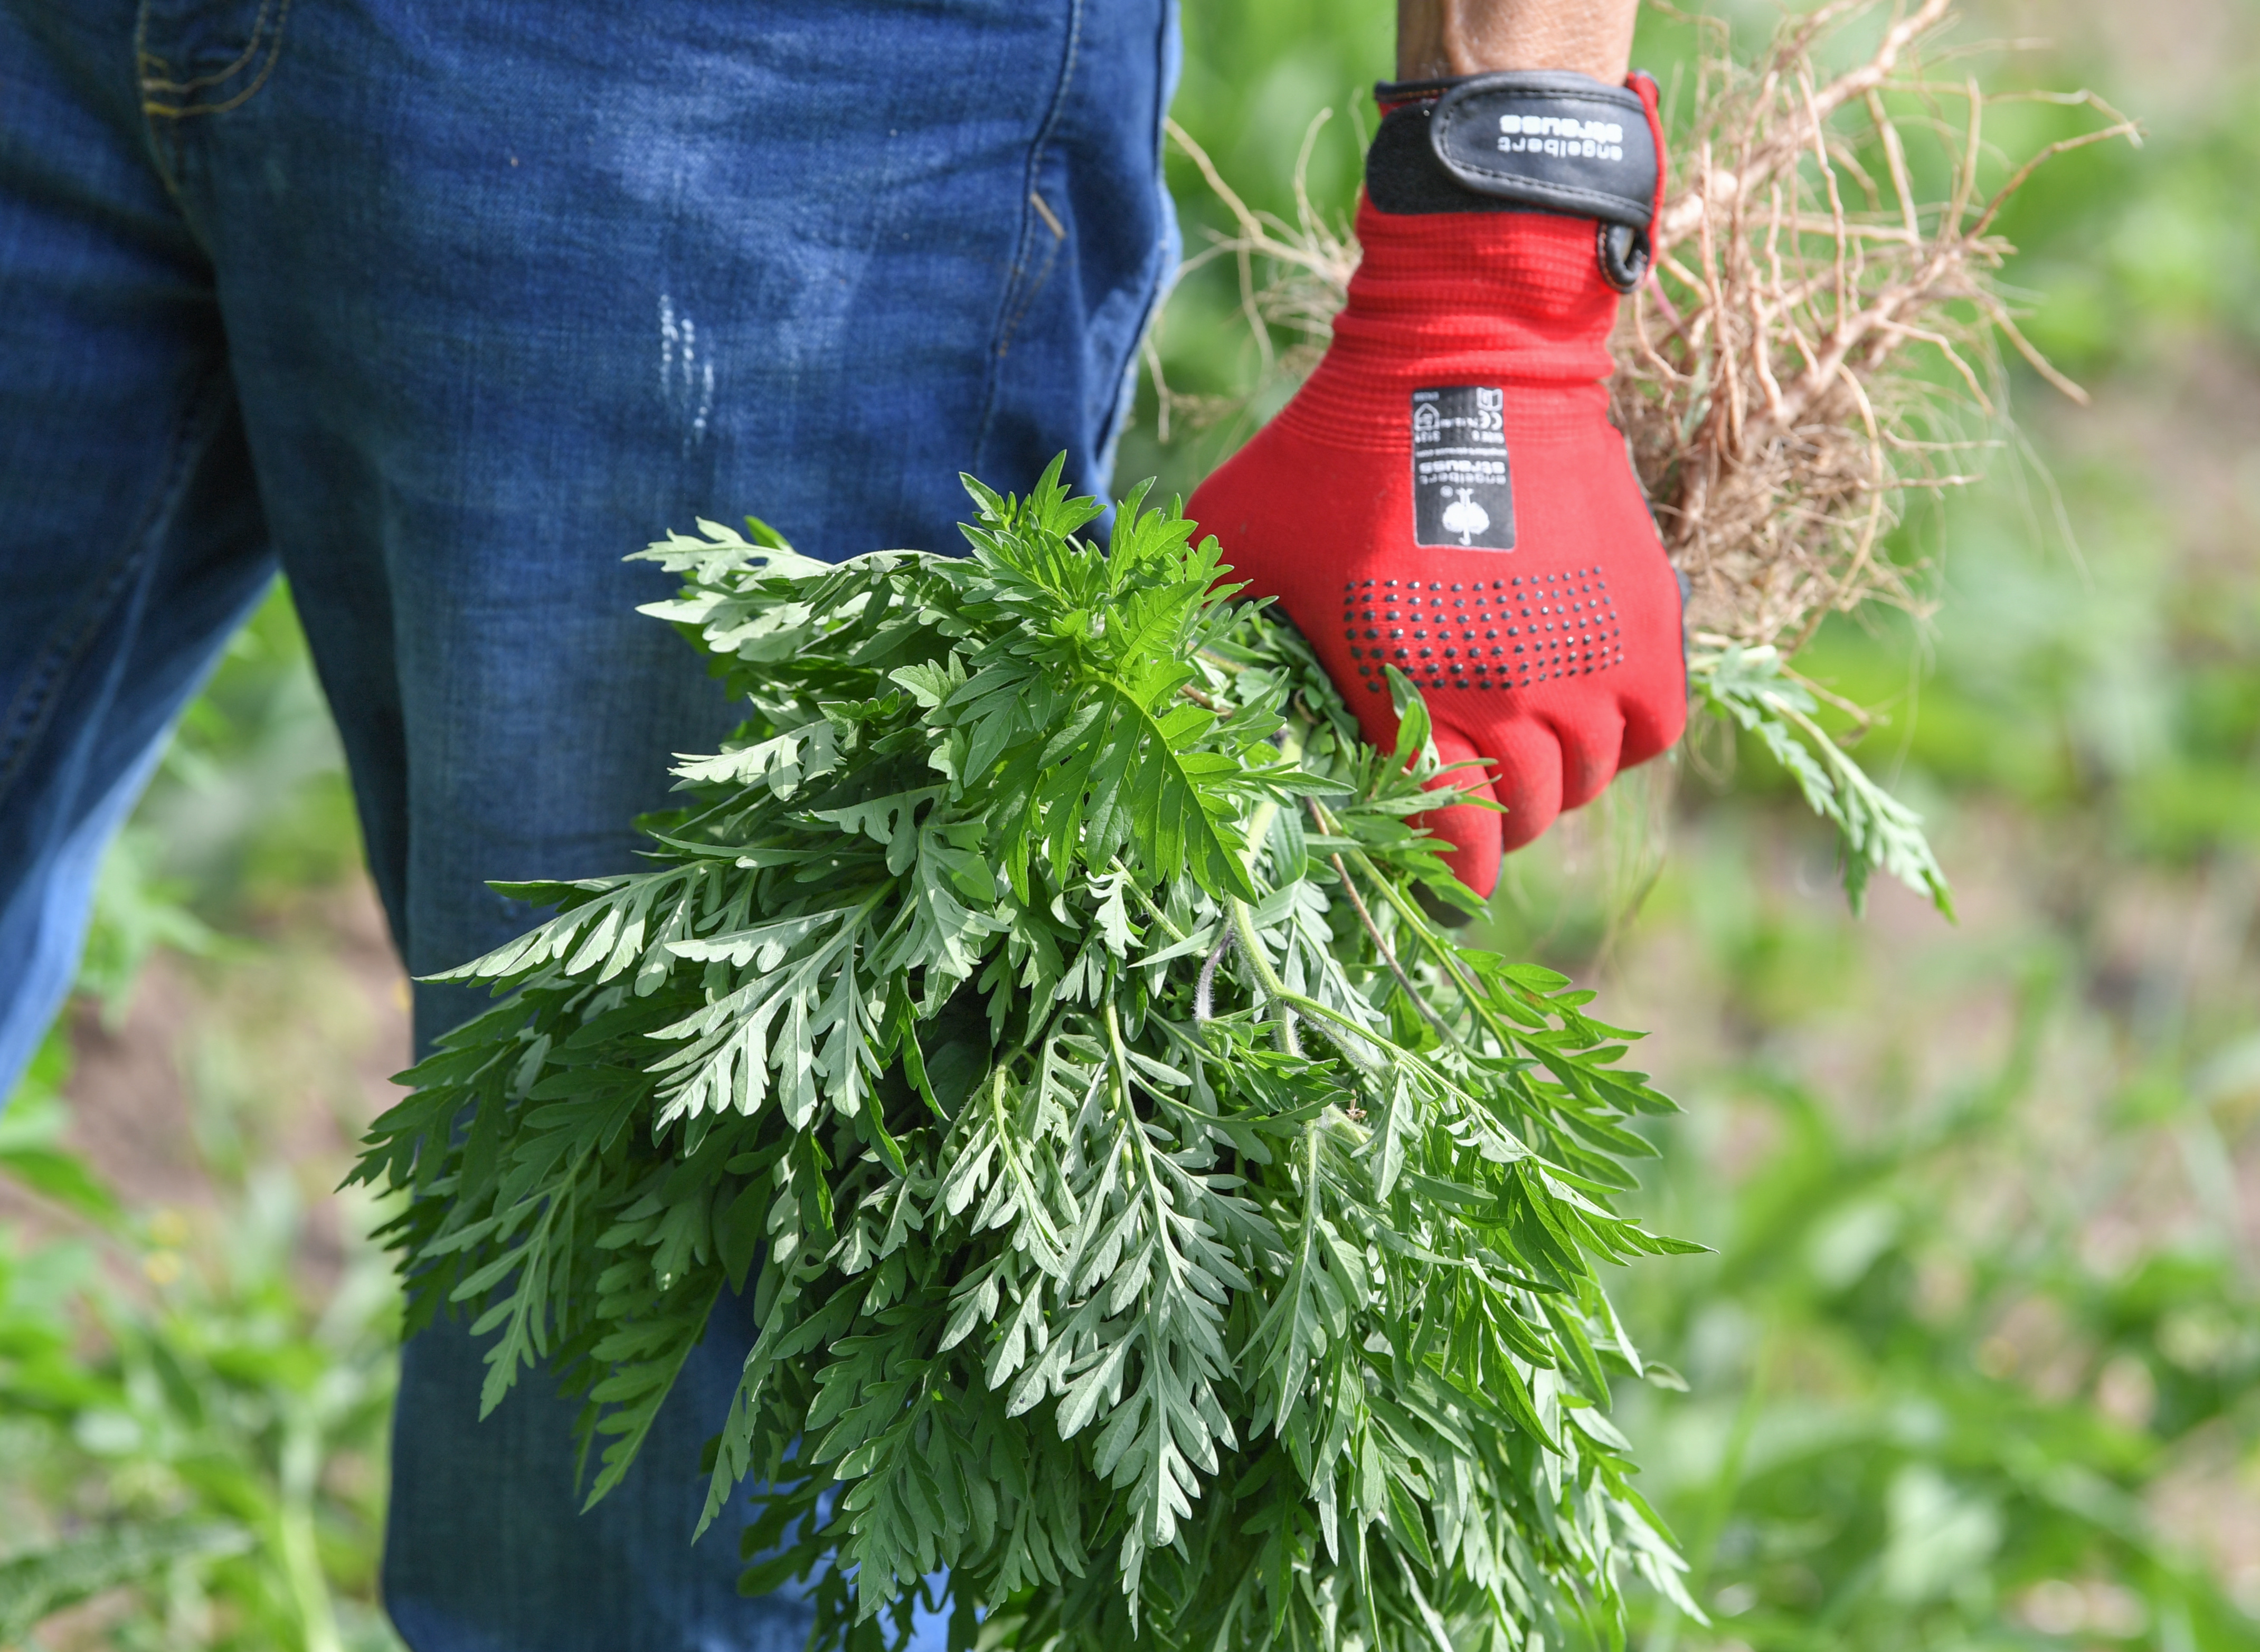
(1517, 139)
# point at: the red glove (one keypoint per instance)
(1447, 494)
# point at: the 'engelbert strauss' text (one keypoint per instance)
(1551, 135)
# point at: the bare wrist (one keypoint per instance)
(1439, 38)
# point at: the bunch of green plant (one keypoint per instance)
(1151, 1216)
(185, 1439)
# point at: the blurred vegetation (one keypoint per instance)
(1976, 1363)
(196, 1387)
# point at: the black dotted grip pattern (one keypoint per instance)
(1496, 634)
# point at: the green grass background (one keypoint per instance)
(1976, 1361)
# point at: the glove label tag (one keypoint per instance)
(1462, 495)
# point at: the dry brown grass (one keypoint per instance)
(1819, 337)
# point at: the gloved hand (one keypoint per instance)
(1447, 494)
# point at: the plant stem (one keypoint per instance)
(1380, 946)
(1417, 922)
(1243, 924)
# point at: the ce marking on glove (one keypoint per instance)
(1463, 494)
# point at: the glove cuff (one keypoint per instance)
(1525, 141)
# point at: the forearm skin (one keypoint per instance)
(1437, 39)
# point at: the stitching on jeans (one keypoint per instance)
(274, 51)
(27, 718)
(1009, 317)
(1032, 289)
(149, 58)
(182, 112)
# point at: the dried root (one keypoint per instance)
(1293, 277)
(1817, 336)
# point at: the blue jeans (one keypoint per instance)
(444, 309)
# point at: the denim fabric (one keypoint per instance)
(444, 308)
